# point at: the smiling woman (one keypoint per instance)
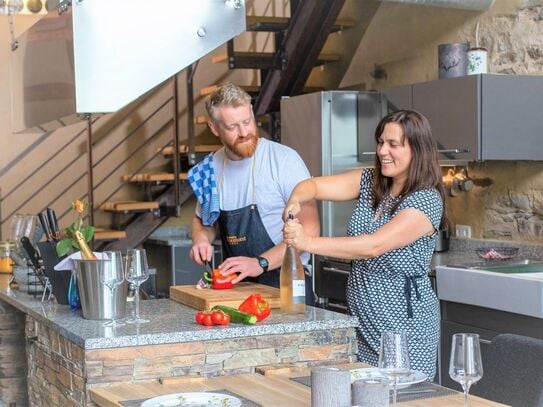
(391, 237)
(394, 154)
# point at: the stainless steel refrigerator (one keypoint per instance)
(333, 131)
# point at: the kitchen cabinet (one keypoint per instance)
(479, 117)
(460, 318)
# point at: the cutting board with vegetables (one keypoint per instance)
(206, 298)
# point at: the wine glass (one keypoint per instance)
(137, 272)
(112, 276)
(394, 358)
(466, 366)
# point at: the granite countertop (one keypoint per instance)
(170, 322)
(173, 323)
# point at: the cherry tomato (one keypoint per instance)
(219, 317)
(199, 317)
(207, 321)
(226, 319)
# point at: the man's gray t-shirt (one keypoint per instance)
(277, 169)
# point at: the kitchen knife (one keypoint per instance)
(31, 255)
(45, 225)
(53, 224)
(34, 260)
(209, 269)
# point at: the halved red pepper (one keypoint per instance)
(256, 305)
(218, 281)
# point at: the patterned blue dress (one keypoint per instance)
(393, 291)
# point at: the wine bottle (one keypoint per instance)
(86, 252)
(292, 282)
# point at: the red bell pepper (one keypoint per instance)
(218, 281)
(256, 305)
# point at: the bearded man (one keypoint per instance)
(254, 178)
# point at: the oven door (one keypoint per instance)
(330, 283)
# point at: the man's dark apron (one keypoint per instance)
(243, 234)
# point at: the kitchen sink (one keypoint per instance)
(514, 267)
(513, 286)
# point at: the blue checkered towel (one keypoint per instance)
(203, 183)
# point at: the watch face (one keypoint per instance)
(263, 262)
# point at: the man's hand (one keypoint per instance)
(245, 266)
(201, 252)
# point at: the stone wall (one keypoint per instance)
(61, 373)
(12, 361)
(506, 202)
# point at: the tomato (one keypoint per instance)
(199, 317)
(207, 321)
(220, 318)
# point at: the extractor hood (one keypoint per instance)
(96, 56)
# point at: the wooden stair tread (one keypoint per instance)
(165, 176)
(202, 148)
(122, 206)
(108, 234)
(247, 88)
(252, 89)
(269, 23)
(201, 119)
(153, 177)
(261, 60)
(133, 178)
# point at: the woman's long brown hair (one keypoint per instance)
(424, 170)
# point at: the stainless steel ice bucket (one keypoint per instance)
(97, 302)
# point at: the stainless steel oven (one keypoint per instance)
(330, 282)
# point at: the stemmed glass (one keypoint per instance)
(466, 366)
(112, 276)
(394, 358)
(137, 272)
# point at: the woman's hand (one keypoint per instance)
(294, 235)
(292, 207)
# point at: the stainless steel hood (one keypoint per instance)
(96, 56)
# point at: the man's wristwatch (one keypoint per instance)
(263, 263)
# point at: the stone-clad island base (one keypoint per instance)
(66, 357)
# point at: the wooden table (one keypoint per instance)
(270, 387)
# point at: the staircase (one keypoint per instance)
(136, 194)
(297, 49)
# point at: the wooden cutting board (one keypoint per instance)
(207, 298)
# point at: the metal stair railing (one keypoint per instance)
(111, 129)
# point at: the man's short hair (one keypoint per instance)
(227, 94)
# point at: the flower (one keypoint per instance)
(69, 241)
(79, 206)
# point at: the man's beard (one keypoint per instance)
(243, 149)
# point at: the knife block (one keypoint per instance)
(59, 279)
